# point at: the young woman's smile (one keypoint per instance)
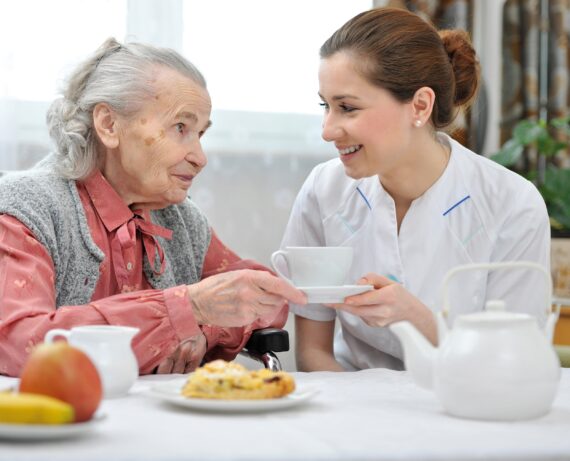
(366, 123)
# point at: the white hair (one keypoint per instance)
(118, 75)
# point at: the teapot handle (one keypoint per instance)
(493, 266)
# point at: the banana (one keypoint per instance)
(27, 408)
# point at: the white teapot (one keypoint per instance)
(492, 365)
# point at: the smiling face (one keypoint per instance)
(371, 130)
(155, 154)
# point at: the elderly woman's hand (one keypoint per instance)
(389, 302)
(186, 357)
(237, 298)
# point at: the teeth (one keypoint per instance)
(349, 150)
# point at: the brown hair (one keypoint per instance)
(400, 52)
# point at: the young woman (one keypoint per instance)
(412, 202)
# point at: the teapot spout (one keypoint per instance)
(419, 353)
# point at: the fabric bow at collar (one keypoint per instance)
(125, 238)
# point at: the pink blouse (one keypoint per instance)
(122, 296)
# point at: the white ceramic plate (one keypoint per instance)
(170, 392)
(334, 294)
(47, 431)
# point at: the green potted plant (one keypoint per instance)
(553, 180)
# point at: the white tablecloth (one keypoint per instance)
(366, 415)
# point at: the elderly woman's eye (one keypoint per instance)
(180, 127)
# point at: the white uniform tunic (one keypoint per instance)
(477, 211)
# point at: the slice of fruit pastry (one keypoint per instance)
(230, 381)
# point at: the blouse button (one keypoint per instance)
(129, 266)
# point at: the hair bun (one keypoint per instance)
(465, 64)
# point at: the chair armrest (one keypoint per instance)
(268, 340)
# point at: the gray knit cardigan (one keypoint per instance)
(51, 208)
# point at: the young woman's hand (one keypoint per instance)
(389, 302)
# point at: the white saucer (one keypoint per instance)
(170, 392)
(334, 294)
(48, 431)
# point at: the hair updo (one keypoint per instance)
(400, 52)
(118, 75)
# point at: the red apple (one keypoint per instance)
(66, 373)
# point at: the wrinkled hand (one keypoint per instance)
(187, 356)
(237, 298)
(389, 302)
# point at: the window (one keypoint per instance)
(261, 55)
(40, 41)
(260, 59)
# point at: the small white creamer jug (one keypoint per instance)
(109, 347)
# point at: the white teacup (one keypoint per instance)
(109, 347)
(315, 266)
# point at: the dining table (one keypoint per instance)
(375, 414)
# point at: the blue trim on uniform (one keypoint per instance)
(393, 278)
(457, 204)
(468, 239)
(364, 197)
(344, 221)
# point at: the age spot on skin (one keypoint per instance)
(149, 141)
(143, 121)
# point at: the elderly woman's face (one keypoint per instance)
(160, 151)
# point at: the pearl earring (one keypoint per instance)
(418, 123)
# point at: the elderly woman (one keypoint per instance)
(102, 231)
